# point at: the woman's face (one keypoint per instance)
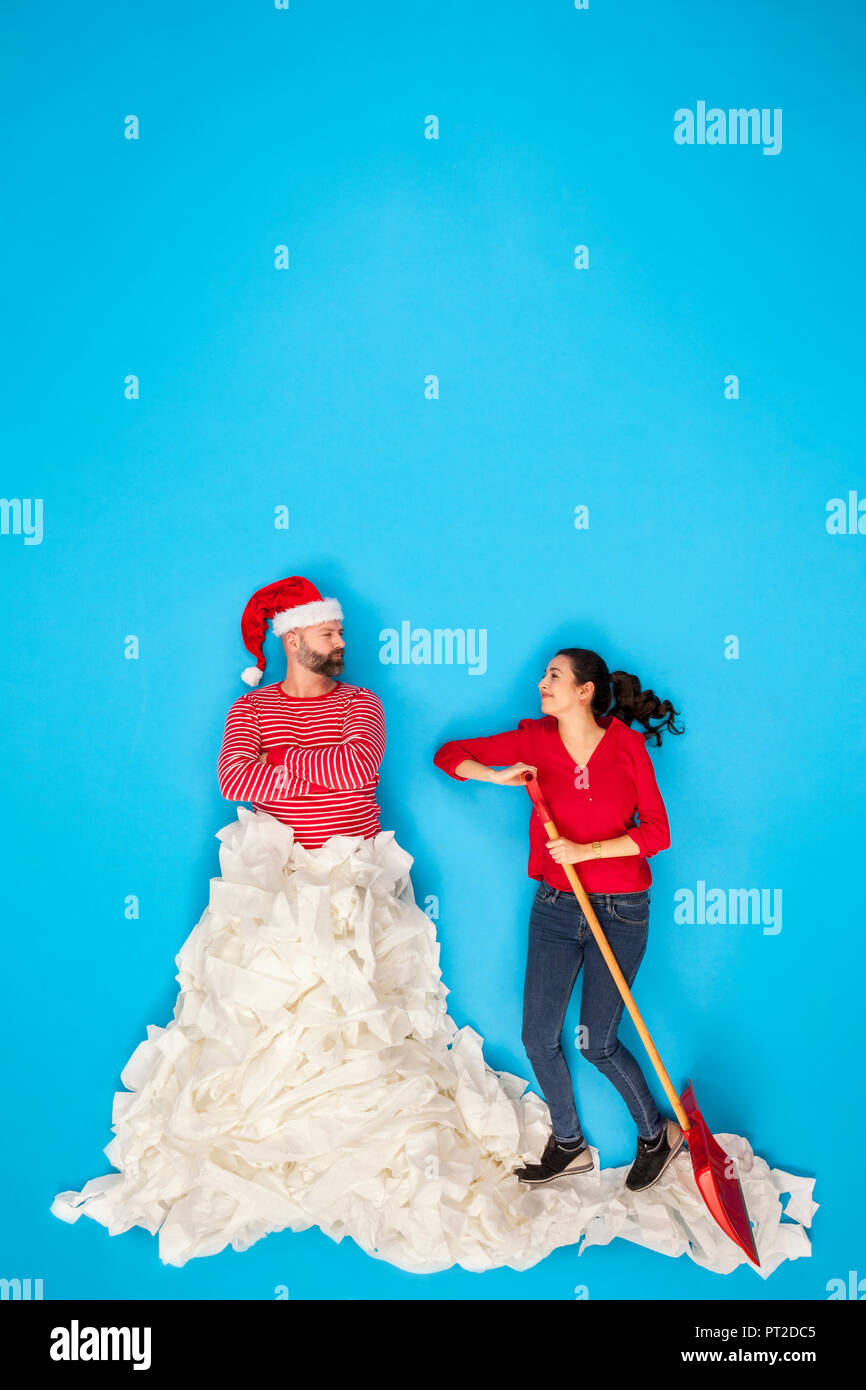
(559, 690)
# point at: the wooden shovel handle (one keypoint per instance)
(620, 981)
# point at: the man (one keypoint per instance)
(308, 749)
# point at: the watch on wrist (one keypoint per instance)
(596, 848)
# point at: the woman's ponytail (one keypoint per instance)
(630, 701)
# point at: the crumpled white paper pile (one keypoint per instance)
(311, 1075)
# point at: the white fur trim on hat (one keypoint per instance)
(323, 610)
(251, 675)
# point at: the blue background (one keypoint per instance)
(559, 387)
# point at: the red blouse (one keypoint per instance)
(617, 789)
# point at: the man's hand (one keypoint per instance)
(568, 852)
(263, 756)
(511, 776)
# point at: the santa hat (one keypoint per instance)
(289, 603)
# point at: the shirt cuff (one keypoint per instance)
(277, 754)
(447, 759)
(634, 832)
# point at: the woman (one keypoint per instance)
(597, 778)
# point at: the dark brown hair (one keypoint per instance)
(630, 701)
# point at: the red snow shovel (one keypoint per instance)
(715, 1173)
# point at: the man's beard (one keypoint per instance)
(329, 664)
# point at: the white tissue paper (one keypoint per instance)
(312, 1076)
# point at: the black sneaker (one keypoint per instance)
(556, 1162)
(653, 1157)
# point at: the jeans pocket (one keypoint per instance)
(632, 908)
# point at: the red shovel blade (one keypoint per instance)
(716, 1177)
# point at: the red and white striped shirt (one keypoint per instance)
(323, 757)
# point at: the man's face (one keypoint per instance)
(320, 648)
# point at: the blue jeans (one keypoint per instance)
(560, 942)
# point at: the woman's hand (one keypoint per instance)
(568, 852)
(511, 776)
(263, 756)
